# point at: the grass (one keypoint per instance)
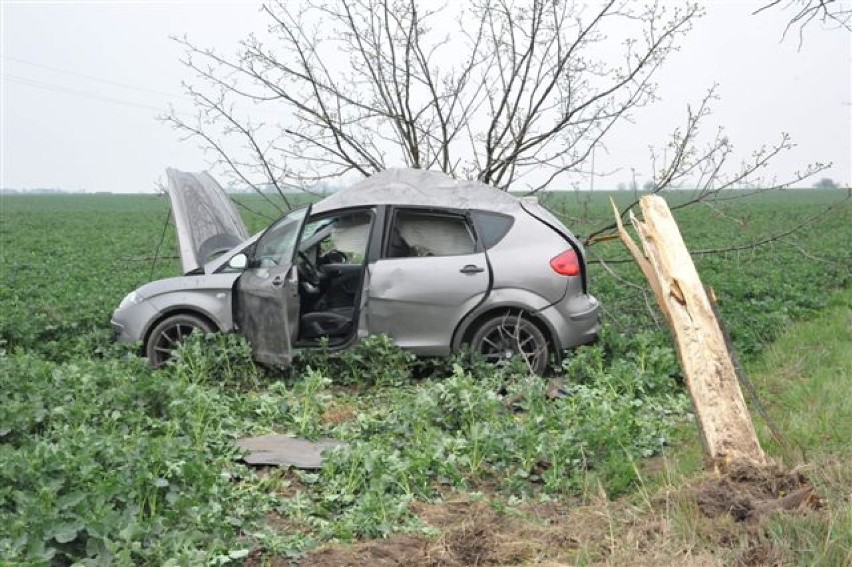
(807, 375)
(804, 380)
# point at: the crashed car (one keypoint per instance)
(435, 263)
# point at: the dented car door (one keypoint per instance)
(431, 273)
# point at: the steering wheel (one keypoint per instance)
(308, 274)
(334, 256)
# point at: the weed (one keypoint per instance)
(376, 361)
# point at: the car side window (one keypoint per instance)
(425, 233)
(343, 237)
(276, 245)
(491, 227)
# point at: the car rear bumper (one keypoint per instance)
(575, 321)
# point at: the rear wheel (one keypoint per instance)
(169, 333)
(505, 337)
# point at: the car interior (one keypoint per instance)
(331, 268)
(331, 263)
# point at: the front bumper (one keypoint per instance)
(131, 323)
(118, 333)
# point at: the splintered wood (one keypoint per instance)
(727, 431)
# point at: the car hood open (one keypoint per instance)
(206, 220)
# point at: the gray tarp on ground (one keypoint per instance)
(282, 450)
(206, 219)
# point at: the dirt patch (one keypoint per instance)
(471, 533)
(337, 413)
(399, 549)
(722, 514)
(748, 492)
(471, 542)
(474, 533)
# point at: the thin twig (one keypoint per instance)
(751, 245)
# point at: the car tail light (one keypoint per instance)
(566, 264)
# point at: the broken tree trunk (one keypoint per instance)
(727, 430)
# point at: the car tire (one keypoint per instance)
(169, 332)
(506, 336)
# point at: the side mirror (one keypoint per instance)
(238, 262)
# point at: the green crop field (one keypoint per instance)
(106, 461)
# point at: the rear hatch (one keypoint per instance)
(535, 209)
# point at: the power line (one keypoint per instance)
(53, 86)
(35, 83)
(62, 89)
(92, 77)
(120, 3)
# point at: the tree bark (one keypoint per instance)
(726, 428)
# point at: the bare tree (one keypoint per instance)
(804, 12)
(521, 91)
(706, 170)
(519, 94)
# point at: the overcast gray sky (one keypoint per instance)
(83, 83)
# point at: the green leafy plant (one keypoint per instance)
(216, 358)
(376, 361)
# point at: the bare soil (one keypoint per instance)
(728, 509)
(471, 533)
(747, 493)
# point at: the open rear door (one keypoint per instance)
(266, 295)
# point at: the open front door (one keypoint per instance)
(266, 295)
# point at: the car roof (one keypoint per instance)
(421, 188)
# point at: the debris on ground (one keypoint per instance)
(283, 450)
(747, 492)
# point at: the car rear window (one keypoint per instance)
(491, 227)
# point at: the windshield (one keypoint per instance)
(277, 244)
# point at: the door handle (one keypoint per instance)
(277, 281)
(471, 269)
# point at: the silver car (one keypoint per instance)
(433, 262)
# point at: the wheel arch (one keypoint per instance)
(178, 310)
(466, 329)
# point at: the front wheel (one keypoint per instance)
(505, 337)
(169, 333)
